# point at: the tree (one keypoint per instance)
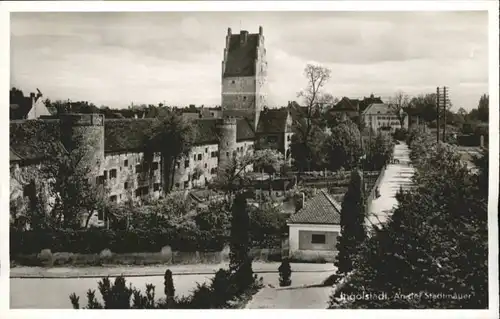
(437, 239)
(234, 175)
(285, 272)
(307, 127)
(343, 146)
(399, 104)
(352, 221)
(240, 263)
(75, 194)
(424, 106)
(380, 151)
(169, 288)
(172, 137)
(483, 108)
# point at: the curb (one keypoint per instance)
(148, 275)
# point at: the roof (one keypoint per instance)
(273, 121)
(369, 100)
(378, 108)
(241, 58)
(125, 134)
(347, 104)
(321, 209)
(33, 139)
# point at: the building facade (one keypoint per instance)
(114, 148)
(381, 117)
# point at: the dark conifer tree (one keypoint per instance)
(352, 221)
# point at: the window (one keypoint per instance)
(206, 149)
(113, 198)
(186, 163)
(318, 239)
(205, 165)
(156, 187)
(125, 163)
(100, 180)
(112, 173)
(154, 166)
(288, 138)
(194, 157)
(199, 157)
(213, 154)
(105, 175)
(244, 98)
(138, 168)
(125, 185)
(227, 154)
(177, 185)
(212, 171)
(177, 164)
(232, 82)
(186, 184)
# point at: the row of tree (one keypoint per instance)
(433, 252)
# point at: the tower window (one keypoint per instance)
(244, 98)
(232, 82)
(125, 163)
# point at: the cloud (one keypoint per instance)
(116, 58)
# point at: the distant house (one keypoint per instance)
(381, 117)
(314, 229)
(28, 108)
(274, 130)
(346, 108)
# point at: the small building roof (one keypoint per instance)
(321, 209)
(347, 104)
(378, 108)
(273, 121)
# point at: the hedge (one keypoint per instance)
(91, 241)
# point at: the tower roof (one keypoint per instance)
(241, 55)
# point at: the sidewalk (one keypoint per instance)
(148, 271)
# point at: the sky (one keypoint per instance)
(117, 58)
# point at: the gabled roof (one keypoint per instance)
(369, 100)
(321, 209)
(241, 57)
(347, 104)
(273, 121)
(378, 108)
(125, 134)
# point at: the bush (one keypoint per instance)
(285, 272)
(93, 241)
(223, 289)
(400, 134)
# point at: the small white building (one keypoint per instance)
(314, 229)
(381, 116)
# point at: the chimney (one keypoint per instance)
(32, 96)
(243, 37)
(261, 31)
(299, 201)
(229, 31)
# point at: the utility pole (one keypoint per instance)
(437, 113)
(445, 104)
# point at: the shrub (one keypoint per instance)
(169, 287)
(285, 272)
(93, 241)
(400, 134)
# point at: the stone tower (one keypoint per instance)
(244, 76)
(84, 133)
(227, 141)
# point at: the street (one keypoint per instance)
(53, 293)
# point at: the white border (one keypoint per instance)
(491, 6)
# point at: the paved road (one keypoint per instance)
(395, 176)
(53, 293)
